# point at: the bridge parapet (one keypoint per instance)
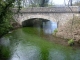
(66, 9)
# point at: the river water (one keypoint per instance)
(29, 44)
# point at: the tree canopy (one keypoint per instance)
(5, 15)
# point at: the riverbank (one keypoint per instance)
(71, 30)
(14, 25)
(52, 38)
(61, 41)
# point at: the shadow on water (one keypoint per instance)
(27, 44)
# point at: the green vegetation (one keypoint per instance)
(55, 31)
(71, 42)
(5, 25)
(6, 15)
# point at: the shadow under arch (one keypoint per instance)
(34, 22)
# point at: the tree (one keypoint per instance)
(77, 3)
(44, 3)
(6, 14)
(70, 2)
(40, 3)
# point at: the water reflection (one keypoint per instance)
(76, 56)
(56, 55)
(26, 53)
(49, 27)
(5, 41)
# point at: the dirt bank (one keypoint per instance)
(71, 30)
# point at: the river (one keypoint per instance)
(29, 44)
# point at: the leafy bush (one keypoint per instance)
(5, 27)
(55, 31)
(71, 42)
(5, 16)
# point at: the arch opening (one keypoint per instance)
(46, 25)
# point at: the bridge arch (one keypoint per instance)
(24, 17)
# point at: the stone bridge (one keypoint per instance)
(55, 14)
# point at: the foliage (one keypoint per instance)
(6, 15)
(71, 42)
(55, 31)
(38, 3)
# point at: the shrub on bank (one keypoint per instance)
(71, 42)
(4, 28)
(55, 31)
